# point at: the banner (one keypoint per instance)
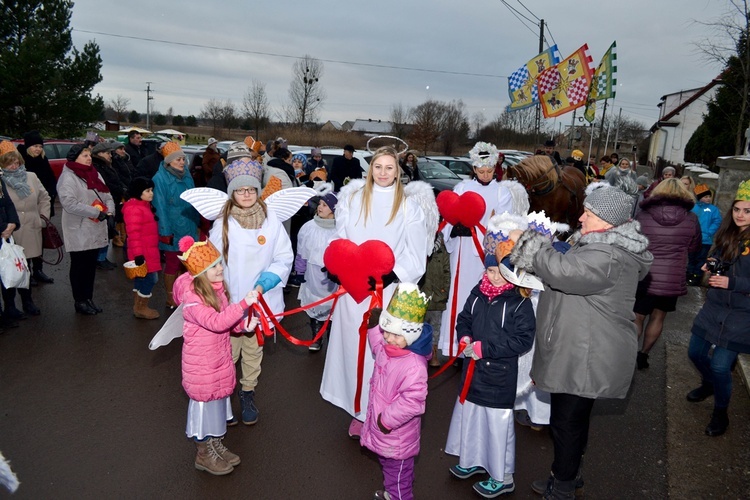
(522, 87)
(603, 83)
(565, 87)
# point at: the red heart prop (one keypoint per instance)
(354, 264)
(467, 209)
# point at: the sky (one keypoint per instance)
(380, 54)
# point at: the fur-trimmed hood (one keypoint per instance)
(626, 236)
(667, 210)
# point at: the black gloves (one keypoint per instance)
(102, 216)
(460, 230)
(387, 280)
(332, 277)
(139, 260)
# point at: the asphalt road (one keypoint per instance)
(87, 411)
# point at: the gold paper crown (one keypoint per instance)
(198, 256)
(6, 147)
(408, 303)
(743, 191)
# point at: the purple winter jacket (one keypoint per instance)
(398, 391)
(672, 231)
(207, 368)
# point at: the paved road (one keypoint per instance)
(87, 411)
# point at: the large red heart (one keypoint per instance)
(354, 264)
(467, 209)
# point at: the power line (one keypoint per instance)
(333, 61)
(527, 10)
(513, 11)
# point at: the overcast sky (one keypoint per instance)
(243, 40)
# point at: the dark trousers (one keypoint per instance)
(82, 274)
(715, 368)
(569, 425)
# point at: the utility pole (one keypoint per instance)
(572, 130)
(538, 118)
(601, 130)
(148, 105)
(617, 130)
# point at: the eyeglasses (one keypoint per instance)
(245, 191)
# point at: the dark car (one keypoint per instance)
(56, 152)
(436, 175)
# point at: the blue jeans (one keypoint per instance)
(102, 255)
(715, 369)
(146, 284)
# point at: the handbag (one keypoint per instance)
(51, 238)
(14, 271)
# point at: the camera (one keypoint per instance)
(717, 267)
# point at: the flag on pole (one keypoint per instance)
(522, 87)
(565, 87)
(603, 83)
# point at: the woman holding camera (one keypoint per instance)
(724, 320)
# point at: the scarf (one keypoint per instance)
(177, 173)
(89, 175)
(248, 218)
(18, 180)
(490, 290)
(325, 223)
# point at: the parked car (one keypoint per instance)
(329, 154)
(459, 166)
(436, 174)
(56, 152)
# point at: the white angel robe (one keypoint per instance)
(253, 251)
(312, 241)
(407, 237)
(497, 199)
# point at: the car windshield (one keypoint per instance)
(434, 170)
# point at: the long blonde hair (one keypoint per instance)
(206, 292)
(399, 196)
(673, 188)
(225, 222)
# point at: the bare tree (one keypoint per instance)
(428, 118)
(731, 48)
(120, 106)
(399, 120)
(229, 118)
(255, 105)
(454, 125)
(169, 114)
(213, 111)
(306, 92)
(477, 121)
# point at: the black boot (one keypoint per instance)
(642, 360)
(10, 311)
(83, 307)
(719, 422)
(27, 304)
(560, 490)
(315, 326)
(38, 275)
(700, 393)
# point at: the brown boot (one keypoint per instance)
(119, 239)
(209, 460)
(141, 309)
(222, 450)
(434, 361)
(168, 284)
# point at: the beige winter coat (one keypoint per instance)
(29, 209)
(80, 227)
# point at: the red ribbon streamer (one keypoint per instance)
(469, 371)
(376, 299)
(454, 305)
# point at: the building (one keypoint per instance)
(680, 114)
(370, 126)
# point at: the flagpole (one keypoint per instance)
(617, 130)
(538, 118)
(591, 145)
(601, 129)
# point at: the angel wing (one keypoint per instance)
(171, 330)
(208, 202)
(287, 202)
(519, 196)
(422, 193)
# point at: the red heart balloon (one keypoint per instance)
(354, 264)
(467, 209)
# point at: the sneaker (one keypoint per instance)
(491, 488)
(249, 410)
(355, 429)
(233, 421)
(463, 473)
(381, 495)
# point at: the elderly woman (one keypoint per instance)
(32, 202)
(177, 218)
(86, 203)
(585, 338)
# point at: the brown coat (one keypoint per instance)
(29, 209)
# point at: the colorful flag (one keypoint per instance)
(522, 83)
(565, 87)
(604, 82)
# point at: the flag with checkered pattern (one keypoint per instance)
(603, 83)
(522, 87)
(565, 86)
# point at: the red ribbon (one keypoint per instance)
(469, 371)
(376, 300)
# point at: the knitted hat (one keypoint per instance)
(237, 150)
(610, 204)
(642, 180)
(243, 172)
(171, 151)
(198, 256)
(316, 152)
(6, 147)
(743, 191)
(483, 154)
(405, 313)
(74, 152)
(301, 157)
(32, 138)
(138, 186)
(577, 154)
(211, 141)
(327, 195)
(701, 190)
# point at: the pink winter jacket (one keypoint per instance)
(398, 390)
(207, 367)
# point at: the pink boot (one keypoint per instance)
(355, 429)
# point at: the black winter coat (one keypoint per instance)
(41, 167)
(123, 167)
(8, 212)
(506, 327)
(287, 168)
(672, 231)
(343, 168)
(148, 166)
(136, 153)
(113, 182)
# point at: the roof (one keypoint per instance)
(334, 124)
(697, 93)
(370, 125)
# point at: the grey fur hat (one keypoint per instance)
(610, 204)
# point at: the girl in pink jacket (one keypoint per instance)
(402, 345)
(208, 375)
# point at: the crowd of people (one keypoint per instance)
(452, 294)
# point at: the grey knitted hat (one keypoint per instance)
(610, 204)
(237, 150)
